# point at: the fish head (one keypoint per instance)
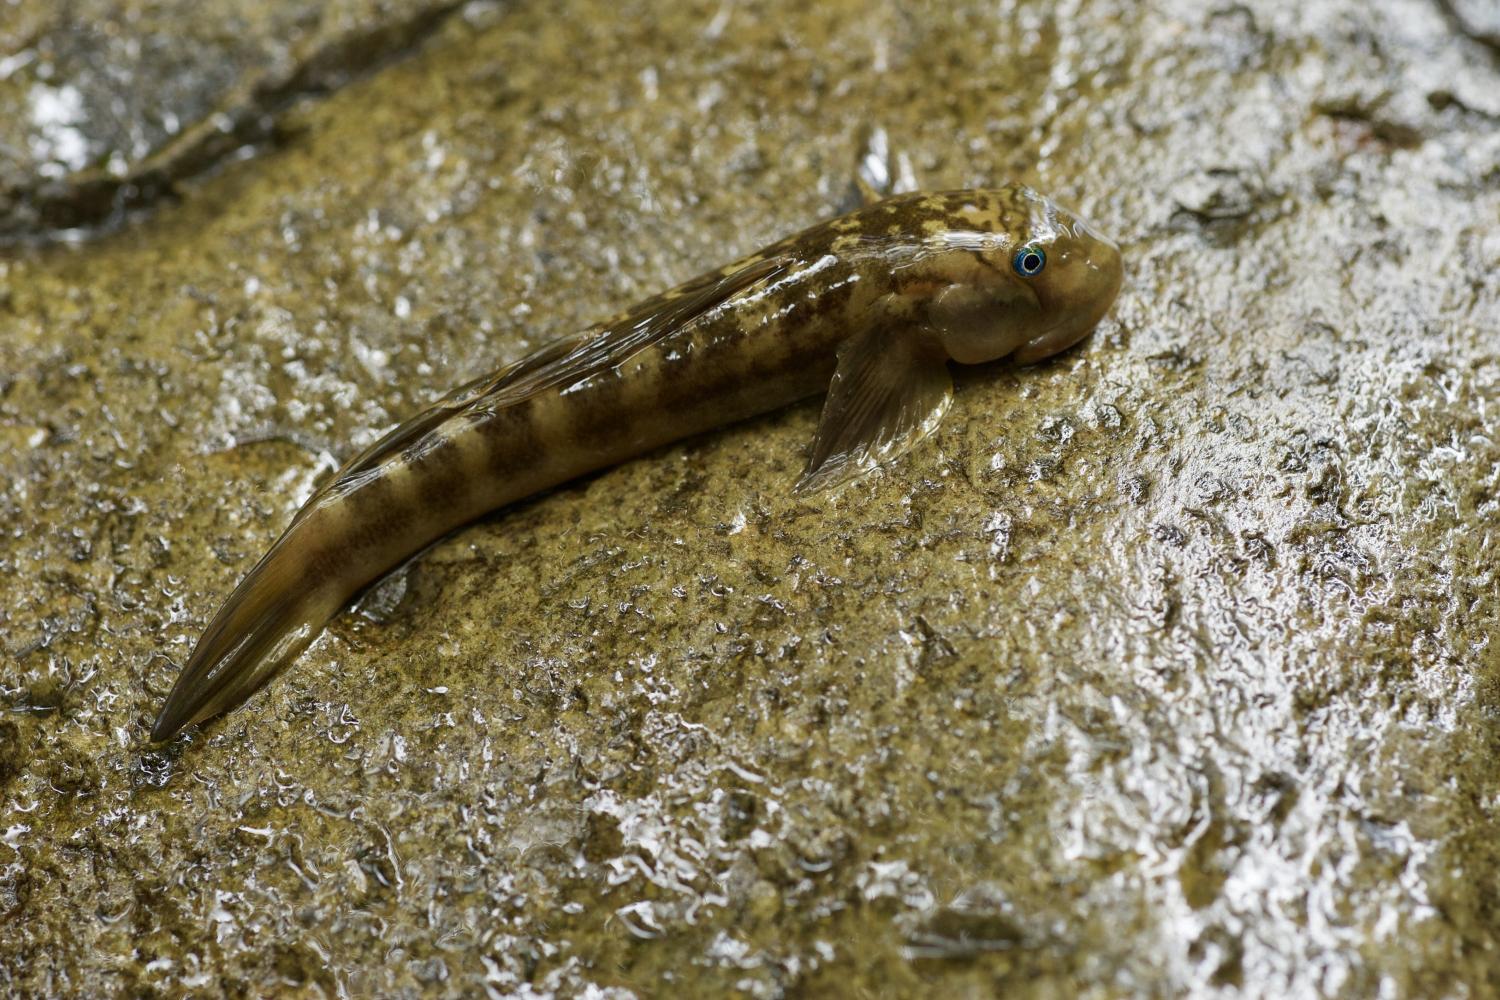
(1026, 278)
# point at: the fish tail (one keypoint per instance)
(389, 503)
(272, 616)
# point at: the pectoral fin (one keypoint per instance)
(890, 390)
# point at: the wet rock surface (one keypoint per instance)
(1166, 667)
(108, 105)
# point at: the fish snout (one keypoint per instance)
(1104, 271)
(1093, 277)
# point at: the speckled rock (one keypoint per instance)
(106, 105)
(1166, 668)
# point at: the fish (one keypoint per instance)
(869, 307)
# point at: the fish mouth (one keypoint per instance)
(1054, 339)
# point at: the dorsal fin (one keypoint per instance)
(562, 363)
(446, 406)
(611, 344)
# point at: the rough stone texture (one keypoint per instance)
(107, 104)
(1168, 667)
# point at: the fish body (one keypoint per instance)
(870, 307)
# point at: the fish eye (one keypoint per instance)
(1029, 261)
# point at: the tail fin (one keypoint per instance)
(269, 619)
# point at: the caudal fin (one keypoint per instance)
(270, 618)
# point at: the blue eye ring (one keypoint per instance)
(1029, 261)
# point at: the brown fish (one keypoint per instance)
(870, 306)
